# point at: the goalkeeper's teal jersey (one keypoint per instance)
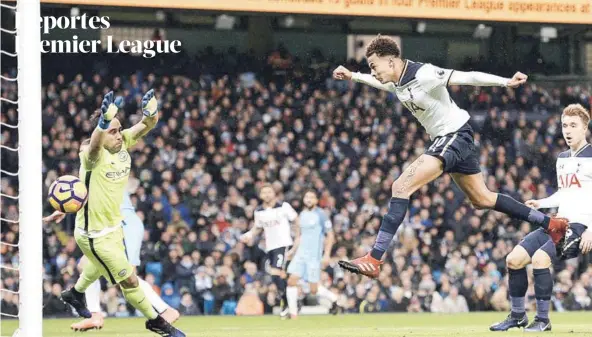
(106, 182)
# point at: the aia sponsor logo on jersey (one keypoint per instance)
(270, 223)
(569, 180)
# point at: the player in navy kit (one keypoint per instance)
(422, 88)
(274, 219)
(574, 179)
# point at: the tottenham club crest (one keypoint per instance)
(123, 155)
(440, 73)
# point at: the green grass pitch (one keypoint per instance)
(572, 324)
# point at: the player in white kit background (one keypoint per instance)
(133, 233)
(274, 218)
(422, 89)
(315, 242)
(574, 181)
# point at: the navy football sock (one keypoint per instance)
(518, 210)
(518, 282)
(280, 283)
(390, 223)
(543, 288)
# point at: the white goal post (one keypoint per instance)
(30, 169)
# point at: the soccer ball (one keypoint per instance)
(67, 194)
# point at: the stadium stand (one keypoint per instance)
(230, 122)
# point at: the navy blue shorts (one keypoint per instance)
(457, 151)
(538, 239)
(277, 258)
(569, 247)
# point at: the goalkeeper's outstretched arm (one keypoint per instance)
(109, 108)
(150, 119)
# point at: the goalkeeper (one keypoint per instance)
(104, 168)
(133, 233)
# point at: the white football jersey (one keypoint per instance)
(574, 179)
(275, 222)
(423, 90)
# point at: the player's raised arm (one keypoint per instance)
(148, 122)
(479, 79)
(431, 77)
(109, 108)
(342, 73)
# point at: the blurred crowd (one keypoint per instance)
(227, 129)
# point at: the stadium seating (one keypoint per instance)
(224, 130)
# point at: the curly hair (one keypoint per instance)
(383, 46)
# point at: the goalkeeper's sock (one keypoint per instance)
(93, 297)
(137, 298)
(90, 274)
(159, 305)
(292, 296)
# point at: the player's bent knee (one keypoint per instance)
(275, 271)
(83, 262)
(483, 200)
(130, 282)
(518, 258)
(541, 260)
(399, 190)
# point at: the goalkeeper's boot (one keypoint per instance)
(95, 322)
(77, 301)
(512, 321)
(160, 326)
(538, 325)
(365, 265)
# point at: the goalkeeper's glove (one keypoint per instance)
(109, 108)
(149, 104)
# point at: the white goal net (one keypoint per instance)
(21, 142)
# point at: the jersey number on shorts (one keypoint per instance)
(280, 261)
(439, 142)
